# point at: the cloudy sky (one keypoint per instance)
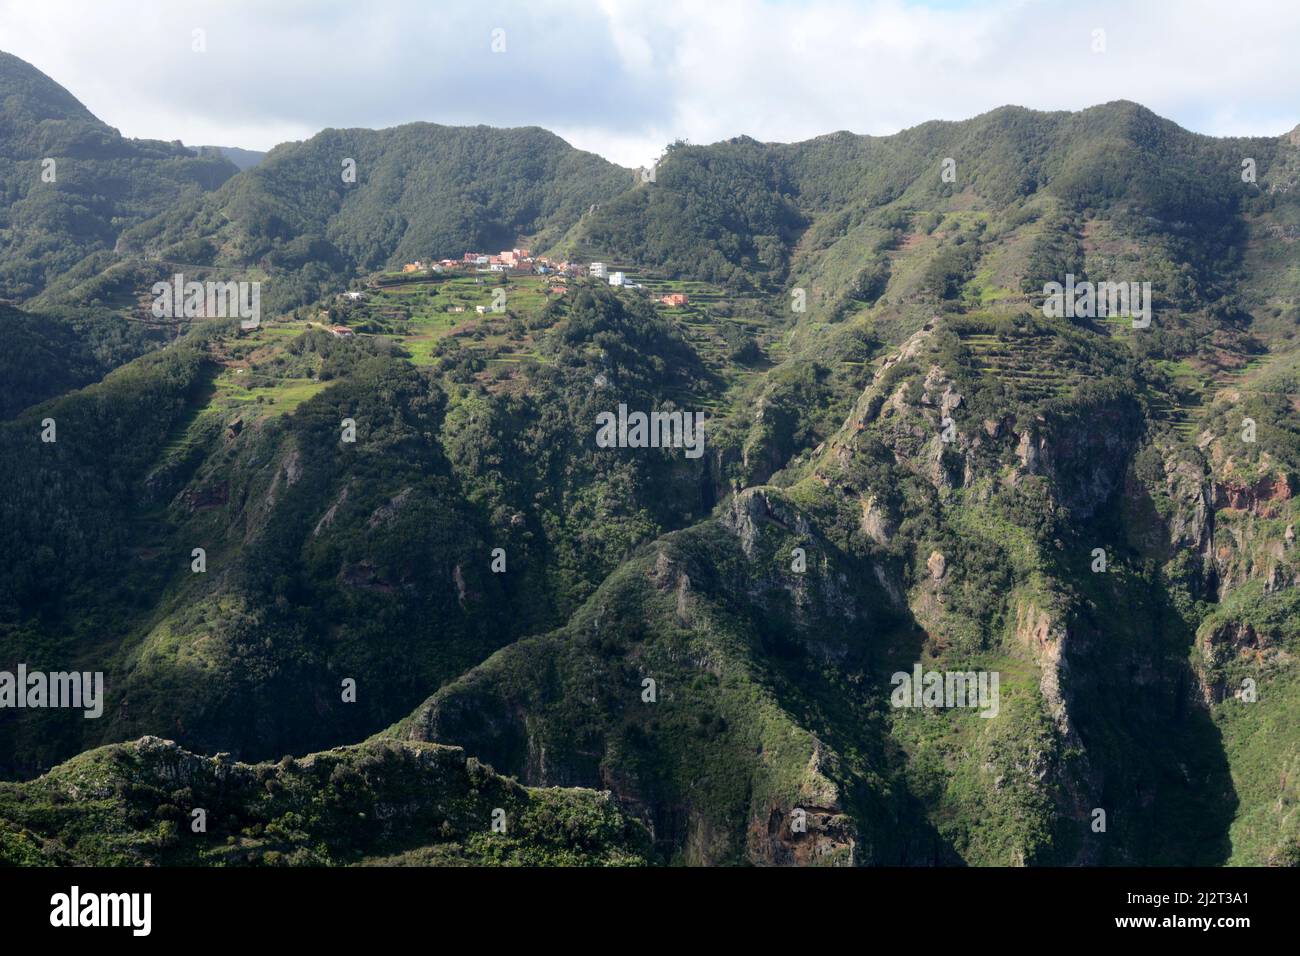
(624, 77)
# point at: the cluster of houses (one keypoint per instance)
(507, 260)
(597, 270)
(517, 261)
(522, 260)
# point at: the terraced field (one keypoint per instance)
(709, 322)
(709, 316)
(1183, 405)
(420, 311)
(1030, 368)
(1195, 392)
(1024, 363)
(1242, 379)
(1181, 416)
(256, 378)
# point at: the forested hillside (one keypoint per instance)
(71, 185)
(376, 538)
(345, 201)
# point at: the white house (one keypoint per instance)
(598, 270)
(617, 278)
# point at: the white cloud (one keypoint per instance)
(624, 77)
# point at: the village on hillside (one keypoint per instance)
(432, 306)
(522, 261)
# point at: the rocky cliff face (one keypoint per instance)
(660, 675)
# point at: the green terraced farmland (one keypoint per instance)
(1027, 364)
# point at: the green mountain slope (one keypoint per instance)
(72, 185)
(358, 199)
(325, 560)
(150, 803)
(243, 158)
(49, 354)
(906, 462)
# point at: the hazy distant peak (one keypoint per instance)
(243, 158)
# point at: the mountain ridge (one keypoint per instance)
(908, 461)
